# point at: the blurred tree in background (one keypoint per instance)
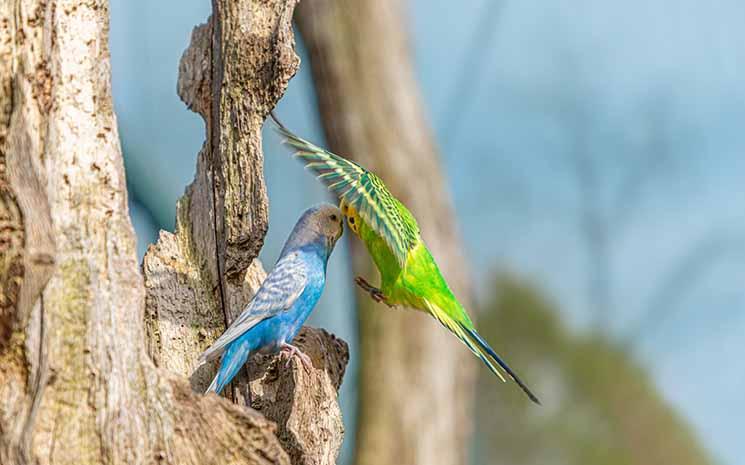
(600, 406)
(415, 380)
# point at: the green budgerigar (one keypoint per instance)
(409, 275)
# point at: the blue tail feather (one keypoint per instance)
(233, 359)
(483, 345)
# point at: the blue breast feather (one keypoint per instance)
(270, 333)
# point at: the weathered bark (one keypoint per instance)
(415, 380)
(201, 277)
(25, 228)
(77, 385)
(304, 403)
(190, 300)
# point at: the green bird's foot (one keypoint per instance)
(375, 293)
(290, 351)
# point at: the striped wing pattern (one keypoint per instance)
(362, 190)
(278, 293)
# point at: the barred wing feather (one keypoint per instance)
(362, 190)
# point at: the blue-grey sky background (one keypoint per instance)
(651, 87)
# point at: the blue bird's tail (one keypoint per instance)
(233, 359)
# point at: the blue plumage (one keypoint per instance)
(286, 298)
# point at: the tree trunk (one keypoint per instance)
(77, 383)
(415, 380)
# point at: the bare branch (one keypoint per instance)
(471, 73)
(680, 280)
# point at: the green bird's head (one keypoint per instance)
(353, 218)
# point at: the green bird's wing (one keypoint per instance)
(362, 190)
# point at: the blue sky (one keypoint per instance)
(631, 81)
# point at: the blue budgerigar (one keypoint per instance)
(274, 316)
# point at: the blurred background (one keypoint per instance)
(594, 151)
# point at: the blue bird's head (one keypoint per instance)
(319, 227)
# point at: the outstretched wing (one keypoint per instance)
(278, 293)
(362, 190)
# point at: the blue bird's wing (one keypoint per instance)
(278, 293)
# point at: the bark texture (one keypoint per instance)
(304, 403)
(415, 380)
(77, 384)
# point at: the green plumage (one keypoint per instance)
(409, 274)
(363, 191)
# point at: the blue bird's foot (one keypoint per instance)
(290, 351)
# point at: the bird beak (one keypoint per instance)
(332, 240)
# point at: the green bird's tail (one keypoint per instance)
(465, 331)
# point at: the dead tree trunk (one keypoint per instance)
(77, 382)
(415, 380)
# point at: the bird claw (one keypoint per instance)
(290, 351)
(375, 293)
